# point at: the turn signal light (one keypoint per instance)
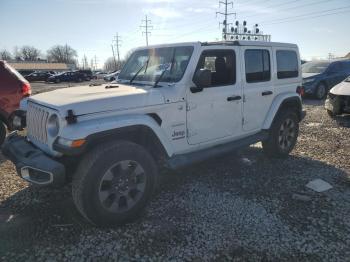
(26, 90)
(301, 90)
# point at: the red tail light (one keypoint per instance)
(301, 90)
(26, 89)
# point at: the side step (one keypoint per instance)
(183, 160)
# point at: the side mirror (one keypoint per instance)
(202, 79)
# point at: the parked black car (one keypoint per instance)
(87, 73)
(67, 77)
(38, 76)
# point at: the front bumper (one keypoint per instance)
(333, 104)
(309, 88)
(32, 164)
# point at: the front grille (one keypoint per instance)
(37, 117)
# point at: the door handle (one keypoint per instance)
(266, 93)
(234, 98)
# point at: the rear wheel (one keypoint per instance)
(114, 182)
(283, 134)
(57, 80)
(2, 132)
(321, 91)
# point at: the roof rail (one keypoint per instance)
(224, 43)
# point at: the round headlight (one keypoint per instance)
(53, 125)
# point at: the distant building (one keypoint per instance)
(30, 66)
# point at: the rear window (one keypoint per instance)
(287, 64)
(14, 72)
(257, 65)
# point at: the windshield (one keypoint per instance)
(315, 67)
(172, 59)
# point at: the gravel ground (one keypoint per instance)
(241, 207)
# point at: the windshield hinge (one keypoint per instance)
(71, 118)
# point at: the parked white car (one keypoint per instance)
(338, 100)
(112, 76)
(173, 105)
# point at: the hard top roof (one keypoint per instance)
(225, 43)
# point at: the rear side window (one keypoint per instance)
(257, 65)
(287, 64)
(7, 72)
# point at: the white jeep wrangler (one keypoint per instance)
(173, 105)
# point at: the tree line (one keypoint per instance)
(56, 54)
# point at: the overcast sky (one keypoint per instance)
(319, 27)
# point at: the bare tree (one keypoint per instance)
(62, 54)
(29, 53)
(109, 65)
(5, 55)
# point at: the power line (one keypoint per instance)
(147, 27)
(307, 14)
(299, 6)
(309, 17)
(225, 14)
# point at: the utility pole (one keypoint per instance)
(115, 61)
(147, 27)
(85, 62)
(225, 14)
(117, 42)
(95, 62)
(330, 56)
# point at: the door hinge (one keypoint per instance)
(244, 100)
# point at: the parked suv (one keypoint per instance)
(87, 73)
(38, 76)
(173, 105)
(67, 77)
(320, 76)
(13, 87)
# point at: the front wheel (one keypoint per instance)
(2, 132)
(114, 182)
(321, 91)
(283, 135)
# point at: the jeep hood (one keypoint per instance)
(93, 99)
(342, 89)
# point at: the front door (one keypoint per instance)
(258, 88)
(216, 112)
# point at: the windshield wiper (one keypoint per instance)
(139, 71)
(166, 69)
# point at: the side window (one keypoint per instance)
(222, 64)
(345, 66)
(287, 64)
(257, 65)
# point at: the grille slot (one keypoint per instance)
(37, 118)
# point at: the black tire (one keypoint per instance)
(321, 91)
(330, 113)
(280, 143)
(2, 132)
(57, 80)
(89, 183)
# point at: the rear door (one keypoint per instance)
(257, 85)
(216, 112)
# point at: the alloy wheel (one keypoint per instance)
(122, 186)
(287, 134)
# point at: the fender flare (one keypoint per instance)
(113, 126)
(281, 101)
